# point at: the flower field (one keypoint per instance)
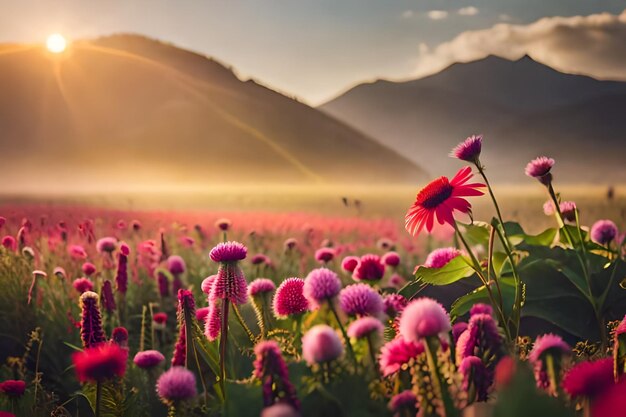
(244, 313)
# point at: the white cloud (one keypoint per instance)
(407, 14)
(437, 14)
(504, 17)
(468, 11)
(593, 45)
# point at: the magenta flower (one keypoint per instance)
(589, 378)
(148, 359)
(202, 313)
(321, 285)
(423, 318)
(394, 304)
(228, 252)
(271, 369)
(82, 285)
(364, 327)
(223, 224)
(9, 243)
(106, 244)
(540, 168)
(119, 336)
(108, 301)
(469, 149)
(289, 299)
(163, 284)
(100, 363)
(230, 284)
(176, 265)
(259, 259)
(391, 259)
(324, 255)
(369, 268)
(548, 343)
(280, 410)
(213, 322)
(207, 283)
(396, 353)
(481, 338)
(440, 257)
(88, 269)
(603, 231)
(403, 403)
(321, 344)
(121, 277)
(360, 300)
(12, 388)
(176, 384)
(261, 286)
(186, 303)
(91, 331)
(481, 308)
(458, 329)
(77, 252)
(474, 373)
(349, 263)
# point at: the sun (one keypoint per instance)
(56, 43)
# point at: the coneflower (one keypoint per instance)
(91, 331)
(270, 368)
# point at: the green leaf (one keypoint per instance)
(463, 304)
(477, 233)
(498, 261)
(458, 268)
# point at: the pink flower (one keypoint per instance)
(270, 368)
(223, 224)
(100, 363)
(364, 327)
(160, 318)
(207, 283)
(106, 244)
(589, 379)
(88, 269)
(403, 403)
(440, 257)
(360, 300)
(59, 272)
(148, 359)
(321, 344)
(108, 301)
(176, 384)
(603, 231)
(440, 199)
(324, 255)
(280, 410)
(201, 314)
(423, 318)
(119, 336)
(91, 331)
(349, 263)
(481, 338)
(82, 285)
(259, 259)
(548, 343)
(230, 284)
(540, 168)
(13, 388)
(9, 242)
(321, 285)
(289, 298)
(228, 252)
(469, 149)
(611, 403)
(391, 259)
(77, 252)
(394, 304)
(396, 353)
(176, 265)
(475, 373)
(369, 268)
(213, 322)
(261, 286)
(480, 308)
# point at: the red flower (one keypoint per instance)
(441, 197)
(13, 388)
(100, 363)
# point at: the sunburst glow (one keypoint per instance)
(56, 43)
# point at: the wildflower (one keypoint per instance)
(108, 301)
(589, 378)
(603, 231)
(121, 277)
(207, 283)
(611, 403)
(369, 268)
(213, 322)
(91, 322)
(176, 384)
(106, 245)
(349, 263)
(321, 285)
(148, 359)
(385, 243)
(548, 344)
(475, 374)
(396, 353)
(289, 298)
(290, 244)
(439, 199)
(439, 258)
(9, 243)
(119, 336)
(321, 344)
(223, 224)
(458, 329)
(271, 369)
(469, 149)
(324, 255)
(230, 283)
(424, 318)
(360, 300)
(59, 272)
(481, 308)
(504, 371)
(13, 388)
(364, 327)
(159, 318)
(163, 284)
(394, 304)
(100, 363)
(176, 265)
(261, 286)
(201, 314)
(481, 338)
(540, 168)
(391, 259)
(88, 269)
(403, 403)
(186, 304)
(77, 252)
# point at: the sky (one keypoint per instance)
(315, 49)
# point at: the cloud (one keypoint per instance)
(407, 14)
(468, 11)
(437, 14)
(593, 45)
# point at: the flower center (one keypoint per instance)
(434, 193)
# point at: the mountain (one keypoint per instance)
(126, 109)
(524, 109)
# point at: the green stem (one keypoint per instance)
(243, 323)
(370, 346)
(343, 332)
(98, 397)
(223, 341)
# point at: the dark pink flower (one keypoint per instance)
(13, 388)
(108, 301)
(176, 265)
(369, 268)
(612, 402)
(391, 259)
(201, 314)
(176, 384)
(9, 242)
(440, 257)
(213, 322)
(403, 403)
(475, 374)
(228, 252)
(121, 277)
(349, 263)
(230, 284)
(259, 259)
(469, 149)
(77, 252)
(324, 255)
(207, 283)
(270, 368)
(88, 269)
(480, 308)
(148, 359)
(589, 378)
(396, 353)
(82, 285)
(100, 363)
(548, 343)
(289, 298)
(119, 336)
(223, 224)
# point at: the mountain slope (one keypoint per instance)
(524, 109)
(127, 109)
